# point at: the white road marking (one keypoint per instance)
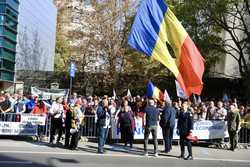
(15, 162)
(116, 155)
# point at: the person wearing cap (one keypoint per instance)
(103, 123)
(151, 115)
(184, 128)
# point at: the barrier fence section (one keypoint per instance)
(13, 124)
(89, 128)
(39, 125)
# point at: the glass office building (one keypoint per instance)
(36, 37)
(8, 38)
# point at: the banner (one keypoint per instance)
(33, 119)
(47, 93)
(204, 130)
(17, 128)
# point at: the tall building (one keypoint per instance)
(8, 39)
(36, 35)
(27, 38)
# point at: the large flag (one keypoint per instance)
(179, 91)
(154, 92)
(154, 26)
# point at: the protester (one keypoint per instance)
(68, 118)
(247, 122)
(233, 122)
(56, 112)
(184, 128)
(126, 124)
(19, 107)
(30, 104)
(5, 107)
(73, 99)
(211, 111)
(242, 111)
(76, 120)
(167, 123)
(40, 108)
(112, 107)
(103, 124)
(151, 117)
(220, 112)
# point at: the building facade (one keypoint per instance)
(8, 39)
(36, 35)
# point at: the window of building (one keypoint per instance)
(8, 65)
(2, 8)
(2, 18)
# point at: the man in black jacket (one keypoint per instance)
(103, 124)
(167, 124)
(184, 128)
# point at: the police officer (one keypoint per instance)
(184, 128)
(233, 123)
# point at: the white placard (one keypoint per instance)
(33, 119)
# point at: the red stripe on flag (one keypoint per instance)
(191, 68)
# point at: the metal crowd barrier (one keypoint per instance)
(11, 125)
(89, 128)
(244, 135)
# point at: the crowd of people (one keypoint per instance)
(67, 116)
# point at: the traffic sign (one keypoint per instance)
(72, 70)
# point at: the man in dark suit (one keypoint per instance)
(184, 128)
(103, 124)
(168, 123)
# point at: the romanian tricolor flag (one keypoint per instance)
(154, 92)
(155, 25)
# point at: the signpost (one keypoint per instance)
(72, 72)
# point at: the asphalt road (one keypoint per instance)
(25, 154)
